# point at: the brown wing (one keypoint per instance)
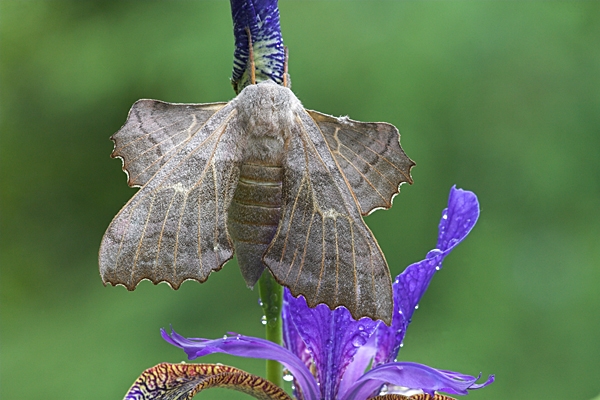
(322, 248)
(369, 156)
(174, 228)
(154, 132)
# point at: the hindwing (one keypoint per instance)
(154, 132)
(369, 156)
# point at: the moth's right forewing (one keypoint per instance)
(175, 227)
(154, 132)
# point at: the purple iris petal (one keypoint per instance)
(332, 338)
(414, 376)
(293, 342)
(458, 219)
(261, 17)
(291, 337)
(245, 346)
(362, 360)
(456, 223)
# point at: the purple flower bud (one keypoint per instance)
(261, 19)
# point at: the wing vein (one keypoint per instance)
(176, 249)
(366, 179)
(292, 212)
(307, 142)
(216, 185)
(137, 253)
(305, 247)
(197, 148)
(146, 135)
(200, 233)
(377, 154)
(162, 230)
(322, 258)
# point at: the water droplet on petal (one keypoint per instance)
(288, 377)
(417, 307)
(358, 341)
(434, 253)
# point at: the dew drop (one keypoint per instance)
(287, 376)
(358, 341)
(434, 253)
(260, 302)
(263, 320)
(417, 307)
(224, 337)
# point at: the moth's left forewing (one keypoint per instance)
(322, 248)
(175, 227)
(369, 156)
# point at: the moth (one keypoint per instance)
(284, 187)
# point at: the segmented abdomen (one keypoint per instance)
(254, 214)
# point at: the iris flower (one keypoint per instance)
(330, 355)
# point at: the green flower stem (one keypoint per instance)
(271, 295)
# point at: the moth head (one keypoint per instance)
(267, 109)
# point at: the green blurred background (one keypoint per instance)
(502, 98)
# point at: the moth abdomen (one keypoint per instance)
(254, 215)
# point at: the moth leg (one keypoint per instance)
(286, 80)
(251, 58)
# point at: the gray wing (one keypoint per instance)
(369, 156)
(322, 248)
(154, 132)
(174, 228)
